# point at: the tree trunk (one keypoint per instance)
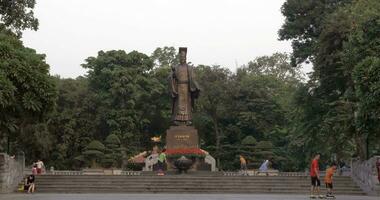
(217, 135)
(9, 143)
(361, 144)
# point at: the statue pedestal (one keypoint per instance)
(182, 137)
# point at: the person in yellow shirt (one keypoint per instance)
(243, 165)
(329, 180)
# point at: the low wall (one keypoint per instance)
(365, 175)
(11, 172)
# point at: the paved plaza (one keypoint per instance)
(37, 196)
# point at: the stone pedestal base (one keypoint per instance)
(182, 137)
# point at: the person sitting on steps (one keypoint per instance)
(29, 185)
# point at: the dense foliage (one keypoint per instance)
(18, 15)
(27, 96)
(336, 110)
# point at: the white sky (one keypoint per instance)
(224, 32)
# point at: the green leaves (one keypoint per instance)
(343, 50)
(304, 21)
(124, 89)
(27, 92)
(18, 15)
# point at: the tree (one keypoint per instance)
(263, 151)
(247, 150)
(72, 123)
(94, 153)
(123, 87)
(18, 15)
(334, 82)
(214, 83)
(165, 57)
(360, 55)
(27, 95)
(304, 22)
(114, 155)
(276, 65)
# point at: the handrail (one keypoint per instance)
(364, 174)
(76, 173)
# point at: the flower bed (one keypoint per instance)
(176, 153)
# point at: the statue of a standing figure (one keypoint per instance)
(184, 90)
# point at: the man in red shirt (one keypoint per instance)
(314, 174)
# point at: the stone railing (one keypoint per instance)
(65, 172)
(131, 173)
(98, 172)
(273, 173)
(11, 172)
(365, 175)
(293, 174)
(257, 173)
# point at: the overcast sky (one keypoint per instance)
(224, 32)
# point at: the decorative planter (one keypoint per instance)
(183, 164)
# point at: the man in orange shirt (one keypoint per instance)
(243, 165)
(314, 175)
(328, 180)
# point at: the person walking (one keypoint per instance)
(161, 163)
(264, 167)
(314, 175)
(243, 166)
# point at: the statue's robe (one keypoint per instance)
(184, 90)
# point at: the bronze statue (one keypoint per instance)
(184, 90)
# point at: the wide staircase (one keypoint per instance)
(187, 184)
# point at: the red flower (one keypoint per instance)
(184, 151)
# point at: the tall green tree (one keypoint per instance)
(73, 121)
(27, 96)
(212, 103)
(333, 86)
(304, 21)
(123, 88)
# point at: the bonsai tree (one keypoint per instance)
(94, 152)
(247, 150)
(113, 151)
(263, 151)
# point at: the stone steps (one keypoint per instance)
(186, 184)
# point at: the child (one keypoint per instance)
(328, 180)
